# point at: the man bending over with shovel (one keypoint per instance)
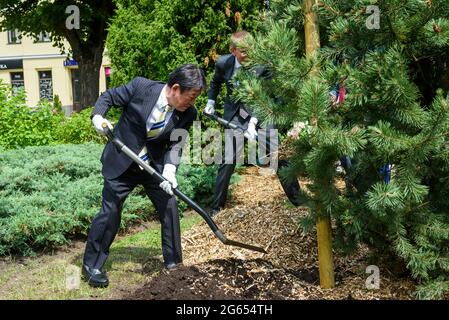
(237, 114)
(151, 111)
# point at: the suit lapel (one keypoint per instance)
(151, 99)
(230, 67)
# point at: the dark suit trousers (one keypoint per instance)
(225, 171)
(106, 224)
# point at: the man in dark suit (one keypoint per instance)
(236, 112)
(151, 111)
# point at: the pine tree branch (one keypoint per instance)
(329, 8)
(431, 135)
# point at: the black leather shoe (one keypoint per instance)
(296, 201)
(172, 266)
(95, 277)
(213, 212)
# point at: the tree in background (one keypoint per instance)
(393, 125)
(151, 38)
(86, 39)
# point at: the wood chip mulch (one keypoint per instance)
(258, 214)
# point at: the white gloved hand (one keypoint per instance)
(296, 130)
(209, 109)
(169, 174)
(98, 121)
(251, 132)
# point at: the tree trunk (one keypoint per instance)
(89, 52)
(89, 64)
(311, 30)
(323, 226)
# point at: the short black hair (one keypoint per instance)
(188, 76)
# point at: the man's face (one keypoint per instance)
(240, 54)
(181, 101)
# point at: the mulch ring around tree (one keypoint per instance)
(258, 214)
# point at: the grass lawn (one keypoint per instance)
(133, 260)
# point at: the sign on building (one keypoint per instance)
(11, 64)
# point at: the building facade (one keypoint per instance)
(41, 69)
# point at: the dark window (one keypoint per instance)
(76, 89)
(45, 85)
(14, 37)
(17, 82)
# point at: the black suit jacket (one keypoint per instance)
(138, 98)
(224, 70)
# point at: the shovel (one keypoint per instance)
(227, 124)
(218, 233)
(233, 126)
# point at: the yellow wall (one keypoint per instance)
(39, 57)
(27, 47)
(60, 77)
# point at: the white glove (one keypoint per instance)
(251, 132)
(98, 121)
(296, 130)
(209, 109)
(169, 174)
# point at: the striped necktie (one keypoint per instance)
(154, 131)
(160, 123)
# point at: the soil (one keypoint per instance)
(259, 213)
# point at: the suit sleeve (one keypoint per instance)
(216, 82)
(119, 97)
(175, 148)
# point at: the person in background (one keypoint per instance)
(237, 113)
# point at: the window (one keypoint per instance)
(43, 36)
(76, 89)
(45, 85)
(14, 37)
(17, 82)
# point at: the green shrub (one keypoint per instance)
(77, 128)
(49, 194)
(57, 104)
(21, 125)
(197, 182)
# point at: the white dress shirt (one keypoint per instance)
(158, 109)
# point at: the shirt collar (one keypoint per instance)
(237, 64)
(162, 100)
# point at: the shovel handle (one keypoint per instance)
(229, 125)
(223, 122)
(218, 233)
(122, 147)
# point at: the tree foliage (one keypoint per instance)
(395, 114)
(86, 38)
(151, 38)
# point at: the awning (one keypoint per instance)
(11, 64)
